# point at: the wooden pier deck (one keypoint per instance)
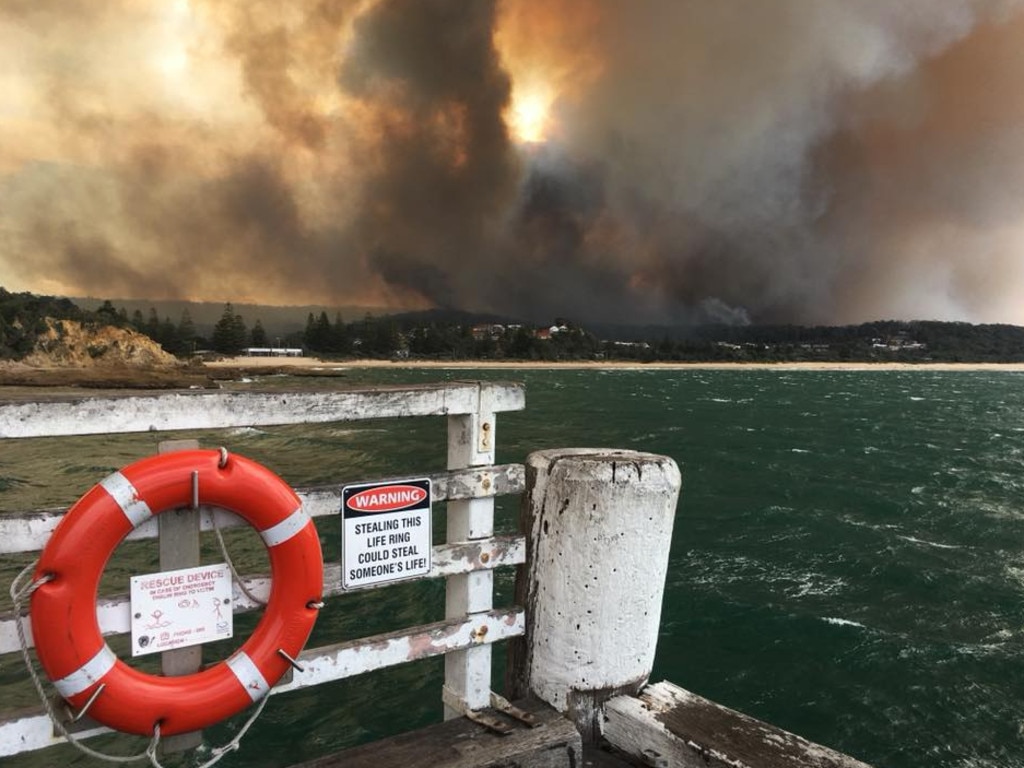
(461, 743)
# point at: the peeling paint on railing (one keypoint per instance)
(220, 410)
(324, 665)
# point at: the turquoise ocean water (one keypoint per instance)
(847, 561)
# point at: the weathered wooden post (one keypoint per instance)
(179, 548)
(598, 526)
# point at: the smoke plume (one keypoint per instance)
(667, 161)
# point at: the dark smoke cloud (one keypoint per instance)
(717, 122)
(790, 161)
(928, 192)
(447, 174)
(277, 60)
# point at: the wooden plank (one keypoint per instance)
(113, 612)
(29, 531)
(32, 731)
(460, 743)
(666, 725)
(219, 410)
(179, 548)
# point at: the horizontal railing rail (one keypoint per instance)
(113, 611)
(65, 416)
(466, 560)
(28, 531)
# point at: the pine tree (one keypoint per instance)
(106, 313)
(310, 332)
(169, 338)
(229, 334)
(152, 328)
(258, 337)
(322, 333)
(186, 330)
(239, 333)
(319, 336)
(341, 336)
(5, 350)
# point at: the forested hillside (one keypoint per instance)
(451, 335)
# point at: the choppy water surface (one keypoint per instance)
(848, 556)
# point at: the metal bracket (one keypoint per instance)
(71, 721)
(489, 722)
(485, 419)
(502, 704)
(485, 438)
(654, 758)
(92, 700)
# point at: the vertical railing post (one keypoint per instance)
(179, 548)
(599, 526)
(467, 674)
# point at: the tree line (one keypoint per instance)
(23, 319)
(432, 336)
(882, 341)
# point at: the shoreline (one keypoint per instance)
(313, 363)
(19, 380)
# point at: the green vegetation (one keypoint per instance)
(436, 335)
(23, 319)
(229, 334)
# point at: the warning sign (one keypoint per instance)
(175, 609)
(386, 532)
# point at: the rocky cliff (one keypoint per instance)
(69, 344)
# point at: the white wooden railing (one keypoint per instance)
(467, 559)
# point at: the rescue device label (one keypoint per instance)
(386, 532)
(175, 609)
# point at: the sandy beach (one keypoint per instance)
(316, 363)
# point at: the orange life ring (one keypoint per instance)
(63, 610)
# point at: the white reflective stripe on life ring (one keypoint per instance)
(124, 493)
(291, 525)
(249, 675)
(91, 672)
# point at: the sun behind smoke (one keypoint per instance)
(550, 53)
(529, 116)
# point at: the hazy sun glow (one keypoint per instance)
(171, 55)
(529, 117)
(172, 63)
